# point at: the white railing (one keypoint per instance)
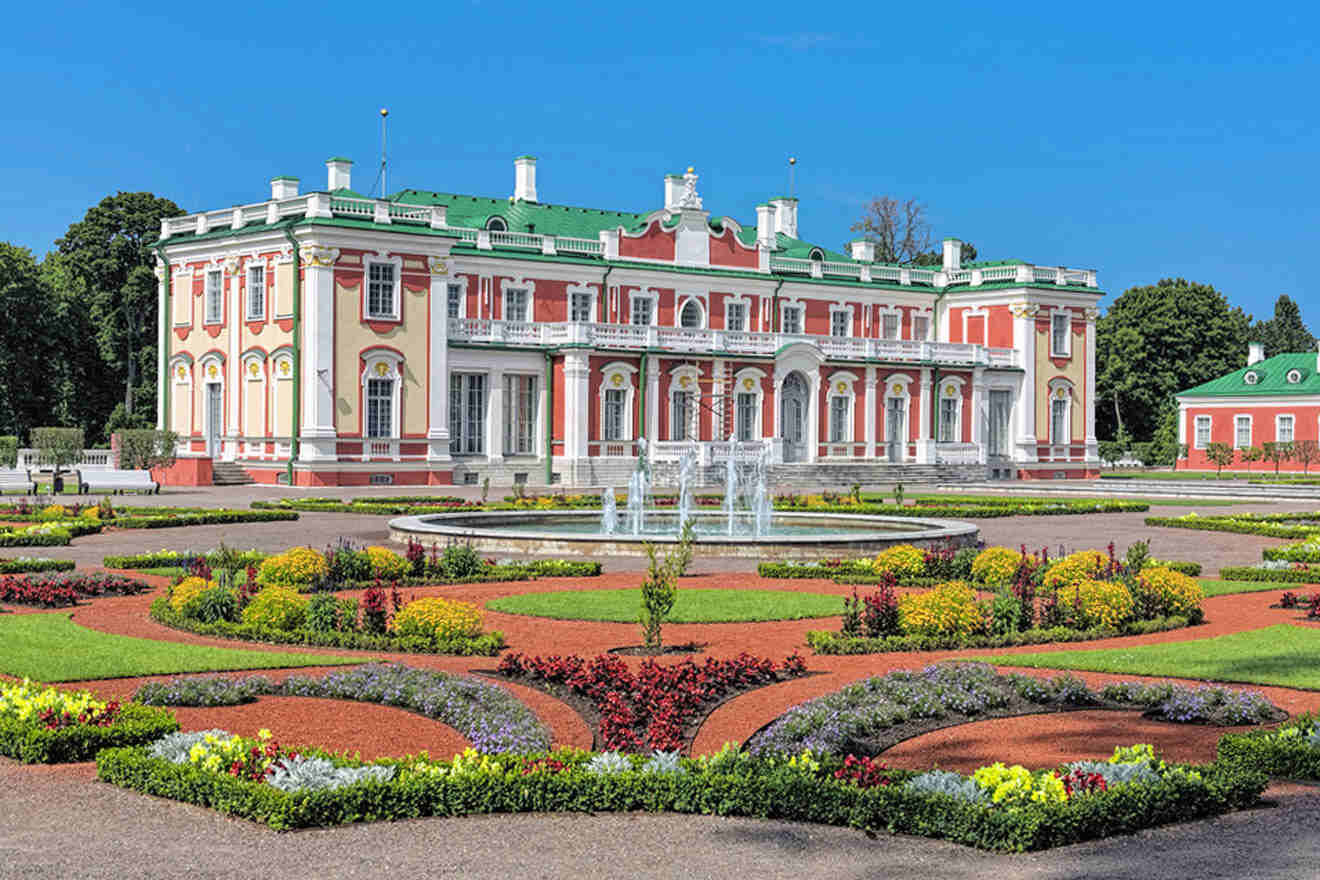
(377, 448)
(745, 451)
(848, 270)
(409, 213)
(993, 274)
(517, 239)
(579, 245)
(790, 264)
(612, 449)
(352, 207)
(92, 459)
(673, 450)
(958, 453)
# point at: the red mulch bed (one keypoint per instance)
(740, 717)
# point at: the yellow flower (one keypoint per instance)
(901, 560)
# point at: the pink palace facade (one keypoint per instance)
(326, 338)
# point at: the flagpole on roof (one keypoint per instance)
(384, 115)
(792, 163)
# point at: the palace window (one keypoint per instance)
(467, 413)
(735, 316)
(1242, 432)
(519, 415)
(840, 322)
(792, 320)
(643, 309)
(1202, 432)
(380, 407)
(920, 327)
(746, 412)
(382, 288)
(840, 421)
(682, 416)
(214, 296)
(1059, 421)
(612, 423)
(579, 307)
(515, 304)
(1059, 322)
(1284, 429)
(256, 293)
(889, 325)
(454, 301)
(948, 422)
(691, 315)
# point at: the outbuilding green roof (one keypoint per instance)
(1270, 379)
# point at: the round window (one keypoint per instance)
(1251, 378)
(1294, 376)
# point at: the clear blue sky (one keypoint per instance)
(1143, 140)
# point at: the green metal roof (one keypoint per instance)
(1271, 379)
(474, 211)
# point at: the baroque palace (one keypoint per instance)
(327, 338)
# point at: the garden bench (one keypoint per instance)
(17, 479)
(96, 480)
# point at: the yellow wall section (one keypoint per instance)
(352, 337)
(284, 289)
(254, 408)
(1073, 371)
(282, 406)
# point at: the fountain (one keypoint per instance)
(746, 526)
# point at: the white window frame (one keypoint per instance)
(456, 437)
(740, 302)
(886, 313)
(624, 372)
(213, 294)
(1238, 421)
(1055, 386)
(1293, 376)
(649, 294)
(396, 268)
(685, 379)
(682, 307)
(509, 415)
(255, 266)
(1278, 427)
(955, 383)
(525, 286)
(576, 290)
(379, 363)
(1064, 315)
(460, 285)
(847, 313)
(1197, 422)
(757, 388)
(841, 386)
(801, 311)
(924, 337)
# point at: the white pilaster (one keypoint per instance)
(1092, 446)
(653, 402)
(716, 414)
(163, 274)
(813, 419)
(318, 354)
(871, 391)
(437, 371)
(978, 415)
(925, 446)
(576, 405)
(1024, 339)
(495, 418)
(233, 369)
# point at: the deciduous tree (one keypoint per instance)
(1219, 454)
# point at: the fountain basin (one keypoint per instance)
(794, 535)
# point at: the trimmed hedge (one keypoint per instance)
(485, 645)
(798, 570)
(1273, 526)
(1280, 575)
(12, 539)
(830, 642)
(207, 518)
(166, 559)
(1191, 569)
(765, 792)
(32, 744)
(1264, 751)
(29, 566)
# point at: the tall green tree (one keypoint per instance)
(109, 254)
(83, 397)
(1285, 332)
(30, 343)
(1157, 340)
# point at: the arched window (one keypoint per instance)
(497, 224)
(817, 255)
(691, 317)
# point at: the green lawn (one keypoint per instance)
(51, 647)
(1224, 588)
(691, 606)
(1283, 655)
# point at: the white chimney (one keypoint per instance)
(524, 178)
(673, 191)
(283, 187)
(786, 216)
(952, 254)
(338, 173)
(1255, 352)
(862, 250)
(765, 225)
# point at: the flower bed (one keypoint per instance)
(48, 726)
(1291, 751)
(1293, 573)
(32, 565)
(490, 717)
(60, 590)
(869, 716)
(1272, 525)
(656, 707)
(180, 559)
(1144, 792)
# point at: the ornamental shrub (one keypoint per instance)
(995, 566)
(323, 613)
(1084, 565)
(187, 590)
(386, 564)
(441, 619)
(949, 609)
(300, 568)
(459, 561)
(277, 608)
(213, 604)
(1095, 604)
(1018, 786)
(1170, 592)
(901, 560)
(345, 565)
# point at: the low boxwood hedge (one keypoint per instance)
(485, 645)
(1267, 752)
(15, 539)
(1281, 575)
(767, 792)
(32, 744)
(29, 566)
(1269, 526)
(201, 518)
(830, 642)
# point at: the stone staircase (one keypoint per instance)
(227, 473)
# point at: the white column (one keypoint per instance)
(576, 405)
(1024, 339)
(716, 415)
(925, 445)
(1092, 446)
(437, 371)
(495, 418)
(871, 386)
(318, 354)
(163, 319)
(977, 415)
(813, 419)
(653, 402)
(233, 369)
